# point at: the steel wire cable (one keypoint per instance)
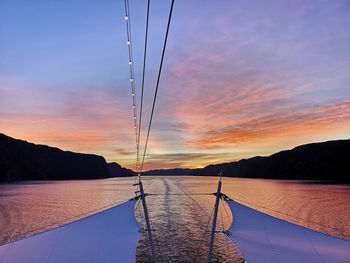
(156, 240)
(131, 67)
(224, 228)
(157, 85)
(205, 232)
(227, 214)
(142, 86)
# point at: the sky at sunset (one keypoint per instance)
(240, 78)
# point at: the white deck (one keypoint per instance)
(109, 236)
(263, 238)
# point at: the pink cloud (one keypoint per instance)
(88, 121)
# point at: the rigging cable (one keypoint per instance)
(131, 66)
(157, 243)
(223, 227)
(157, 85)
(142, 88)
(205, 232)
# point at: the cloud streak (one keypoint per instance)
(318, 120)
(240, 79)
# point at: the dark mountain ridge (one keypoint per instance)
(175, 171)
(21, 160)
(316, 161)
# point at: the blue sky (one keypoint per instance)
(240, 78)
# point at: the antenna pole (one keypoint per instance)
(212, 234)
(150, 236)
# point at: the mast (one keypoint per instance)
(212, 234)
(148, 224)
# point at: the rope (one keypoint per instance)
(183, 194)
(264, 207)
(157, 85)
(142, 85)
(227, 214)
(189, 196)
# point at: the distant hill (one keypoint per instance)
(316, 161)
(116, 170)
(20, 160)
(176, 171)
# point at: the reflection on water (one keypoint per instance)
(180, 228)
(33, 207)
(179, 221)
(320, 207)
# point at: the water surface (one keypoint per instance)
(179, 209)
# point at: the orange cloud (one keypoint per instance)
(90, 122)
(320, 120)
(236, 85)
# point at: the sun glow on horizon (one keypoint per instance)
(252, 80)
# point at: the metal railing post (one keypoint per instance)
(212, 234)
(148, 224)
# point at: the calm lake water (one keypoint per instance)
(179, 209)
